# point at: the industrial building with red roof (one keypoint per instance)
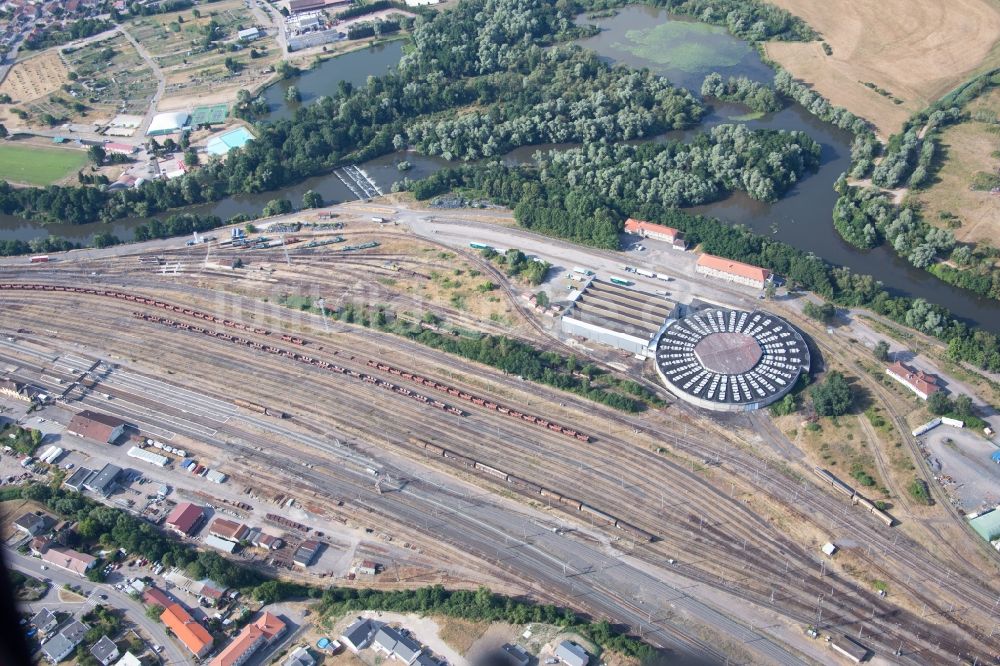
(732, 271)
(185, 518)
(918, 381)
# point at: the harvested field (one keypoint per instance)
(35, 77)
(916, 50)
(967, 148)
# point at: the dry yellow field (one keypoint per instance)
(968, 148)
(35, 77)
(916, 49)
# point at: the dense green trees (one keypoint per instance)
(742, 90)
(833, 396)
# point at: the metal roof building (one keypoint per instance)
(729, 360)
(987, 525)
(617, 316)
(167, 123)
(103, 482)
(572, 654)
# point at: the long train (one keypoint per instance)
(856, 497)
(482, 402)
(197, 314)
(532, 488)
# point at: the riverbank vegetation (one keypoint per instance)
(754, 95)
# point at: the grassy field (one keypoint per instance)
(34, 165)
(967, 148)
(915, 49)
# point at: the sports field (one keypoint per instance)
(36, 165)
(917, 50)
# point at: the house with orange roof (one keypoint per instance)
(187, 630)
(657, 232)
(732, 271)
(263, 632)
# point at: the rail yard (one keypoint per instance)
(663, 520)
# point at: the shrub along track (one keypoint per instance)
(714, 538)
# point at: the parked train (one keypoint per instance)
(856, 497)
(533, 488)
(482, 402)
(260, 409)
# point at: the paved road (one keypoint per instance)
(161, 82)
(135, 611)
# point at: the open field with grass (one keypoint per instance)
(35, 165)
(178, 42)
(917, 50)
(968, 148)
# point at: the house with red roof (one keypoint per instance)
(185, 518)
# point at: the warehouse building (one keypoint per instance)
(103, 482)
(918, 381)
(228, 529)
(733, 271)
(79, 477)
(168, 123)
(729, 360)
(98, 427)
(617, 316)
(306, 553)
(657, 232)
(220, 544)
(185, 518)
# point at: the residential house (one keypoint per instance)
(69, 559)
(267, 629)
(61, 645)
(194, 636)
(129, 659)
(358, 635)
(396, 645)
(31, 523)
(39, 545)
(572, 654)
(45, 621)
(300, 656)
(102, 428)
(104, 651)
(732, 271)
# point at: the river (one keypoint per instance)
(638, 36)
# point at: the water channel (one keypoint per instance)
(639, 36)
